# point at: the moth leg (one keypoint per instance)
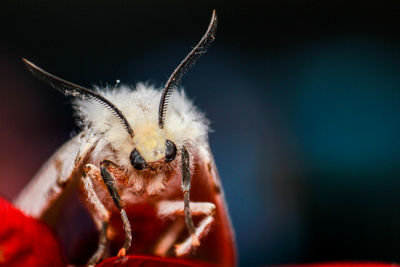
(201, 230)
(185, 186)
(168, 208)
(101, 246)
(168, 239)
(92, 173)
(109, 180)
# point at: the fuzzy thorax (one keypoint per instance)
(184, 124)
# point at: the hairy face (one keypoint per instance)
(149, 140)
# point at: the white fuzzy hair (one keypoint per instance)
(184, 124)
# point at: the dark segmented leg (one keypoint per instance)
(185, 186)
(109, 180)
(100, 247)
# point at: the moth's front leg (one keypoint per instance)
(92, 174)
(109, 180)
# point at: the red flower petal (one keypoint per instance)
(151, 261)
(25, 241)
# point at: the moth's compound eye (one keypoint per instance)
(137, 160)
(170, 151)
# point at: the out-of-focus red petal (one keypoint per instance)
(151, 261)
(344, 264)
(25, 241)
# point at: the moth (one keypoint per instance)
(144, 166)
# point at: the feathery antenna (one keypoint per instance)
(184, 66)
(75, 90)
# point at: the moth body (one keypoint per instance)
(143, 166)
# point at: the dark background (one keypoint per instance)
(304, 97)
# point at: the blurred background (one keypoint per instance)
(304, 99)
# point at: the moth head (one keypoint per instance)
(150, 146)
(150, 142)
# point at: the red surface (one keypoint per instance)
(25, 241)
(150, 261)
